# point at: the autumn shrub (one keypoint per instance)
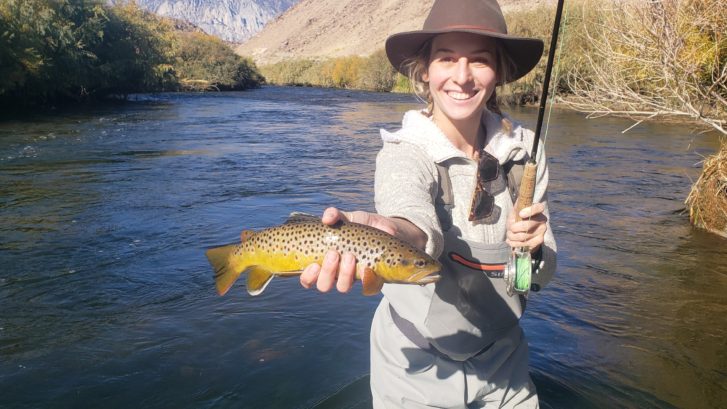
(376, 74)
(68, 50)
(707, 201)
(537, 22)
(663, 59)
(368, 73)
(291, 72)
(135, 52)
(204, 62)
(54, 50)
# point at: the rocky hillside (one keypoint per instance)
(231, 20)
(332, 28)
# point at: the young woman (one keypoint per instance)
(442, 184)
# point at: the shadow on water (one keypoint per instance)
(107, 299)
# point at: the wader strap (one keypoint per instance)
(411, 333)
(445, 199)
(514, 171)
(444, 202)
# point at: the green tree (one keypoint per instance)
(53, 50)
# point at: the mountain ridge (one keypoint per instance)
(232, 20)
(319, 29)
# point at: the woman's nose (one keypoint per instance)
(462, 71)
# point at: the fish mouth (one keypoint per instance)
(432, 278)
(424, 277)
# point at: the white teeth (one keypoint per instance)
(459, 95)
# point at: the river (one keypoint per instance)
(107, 300)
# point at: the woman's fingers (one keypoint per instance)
(530, 212)
(310, 275)
(332, 215)
(339, 270)
(329, 271)
(346, 273)
(530, 231)
(531, 226)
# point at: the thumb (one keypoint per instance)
(332, 215)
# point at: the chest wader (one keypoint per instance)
(470, 307)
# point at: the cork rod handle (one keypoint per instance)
(527, 189)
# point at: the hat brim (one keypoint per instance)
(524, 52)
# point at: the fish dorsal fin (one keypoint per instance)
(298, 217)
(247, 235)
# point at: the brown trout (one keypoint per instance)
(303, 239)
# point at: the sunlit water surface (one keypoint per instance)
(107, 300)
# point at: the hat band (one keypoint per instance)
(468, 27)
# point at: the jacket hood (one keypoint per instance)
(420, 130)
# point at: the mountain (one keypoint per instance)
(334, 28)
(231, 20)
(331, 28)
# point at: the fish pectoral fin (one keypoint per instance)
(257, 279)
(371, 282)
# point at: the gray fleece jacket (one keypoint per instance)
(406, 182)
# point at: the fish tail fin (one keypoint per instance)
(227, 265)
(257, 279)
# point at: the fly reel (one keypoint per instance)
(519, 272)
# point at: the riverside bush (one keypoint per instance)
(68, 50)
(372, 73)
(204, 62)
(662, 59)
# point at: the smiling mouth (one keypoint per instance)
(461, 96)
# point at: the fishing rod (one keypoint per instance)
(520, 267)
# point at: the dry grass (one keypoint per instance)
(654, 59)
(707, 202)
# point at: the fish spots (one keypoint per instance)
(292, 246)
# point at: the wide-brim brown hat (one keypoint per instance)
(482, 17)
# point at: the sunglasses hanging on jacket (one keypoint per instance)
(488, 184)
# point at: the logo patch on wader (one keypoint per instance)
(491, 270)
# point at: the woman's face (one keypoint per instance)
(461, 76)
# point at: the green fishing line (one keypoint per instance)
(522, 273)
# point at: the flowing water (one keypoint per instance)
(107, 300)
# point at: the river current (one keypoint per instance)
(107, 300)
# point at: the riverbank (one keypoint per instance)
(72, 52)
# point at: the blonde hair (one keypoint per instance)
(416, 66)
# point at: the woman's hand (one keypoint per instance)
(340, 269)
(530, 231)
